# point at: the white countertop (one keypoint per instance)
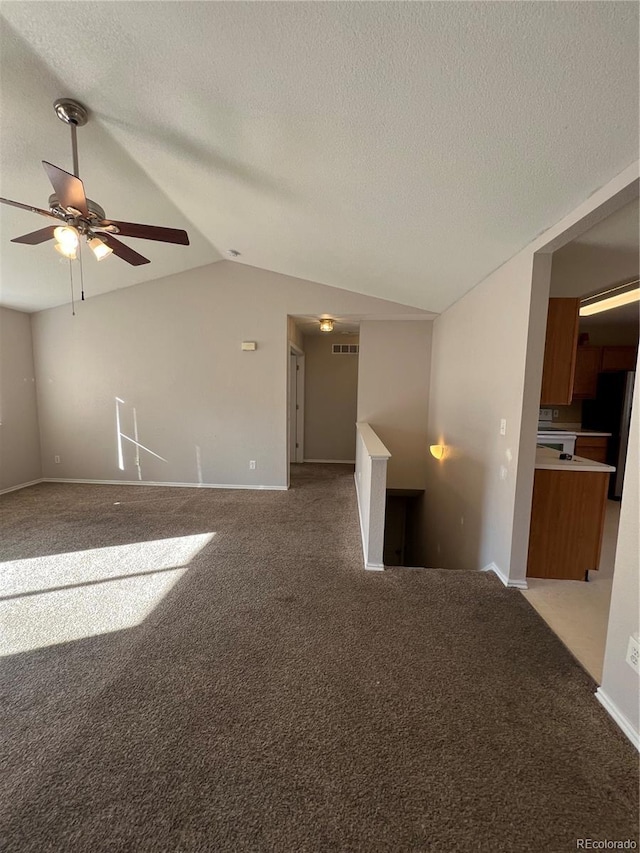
(549, 460)
(577, 429)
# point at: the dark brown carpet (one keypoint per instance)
(279, 698)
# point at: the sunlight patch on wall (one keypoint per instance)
(63, 597)
(138, 447)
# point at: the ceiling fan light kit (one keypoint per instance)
(99, 249)
(67, 241)
(80, 216)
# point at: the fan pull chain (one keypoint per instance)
(81, 271)
(73, 306)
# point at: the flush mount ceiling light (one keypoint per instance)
(614, 297)
(326, 325)
(80, 216)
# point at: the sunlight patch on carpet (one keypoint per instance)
(63, 597)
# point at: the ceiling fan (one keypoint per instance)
(79, 216)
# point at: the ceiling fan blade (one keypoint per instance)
(68, 188)
(122, 251)
(28, 207)
(36, 237)
(149, 232)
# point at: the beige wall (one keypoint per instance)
(19, 436)
(393, 393)
(170, 349)
(330, 396)
(295, 335)
(477, 374)
(620, 684)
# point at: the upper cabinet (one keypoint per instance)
(560, 352)
(590, 361)
(585, 380)
(619, 358)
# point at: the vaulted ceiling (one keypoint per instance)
(402, 150)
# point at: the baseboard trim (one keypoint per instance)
(21, 486)
(333, 461)
(154, 483)
(510, 584)
(618, 717)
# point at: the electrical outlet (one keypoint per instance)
(252, 464)
(503, 426)
(56, 459)
(556, 413)
(633, 654)
(546, 414)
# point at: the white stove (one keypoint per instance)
(557, 439)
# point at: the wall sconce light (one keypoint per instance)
(437, 451)
(326, 325)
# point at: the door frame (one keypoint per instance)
(298, 412)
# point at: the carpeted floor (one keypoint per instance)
(275, 696)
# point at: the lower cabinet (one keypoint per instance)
(567, 522)
(592, 447)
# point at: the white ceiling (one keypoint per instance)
(403, 150)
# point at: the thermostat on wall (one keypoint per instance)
(248, 345)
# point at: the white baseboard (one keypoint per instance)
(21, 486)
(153, 483)
(334, 461)
(511, 584)
(618, 717)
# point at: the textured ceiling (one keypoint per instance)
(403, 150)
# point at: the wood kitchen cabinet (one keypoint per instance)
(567, 523)
(585, 379)
(560, 352)
(619, 358)
(592, 447)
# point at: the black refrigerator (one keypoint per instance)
(611, 412)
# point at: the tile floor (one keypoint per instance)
(578, 612)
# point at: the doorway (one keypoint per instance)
(601, 252)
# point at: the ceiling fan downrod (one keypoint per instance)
(75, 115)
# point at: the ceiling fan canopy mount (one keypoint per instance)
(71, 112)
